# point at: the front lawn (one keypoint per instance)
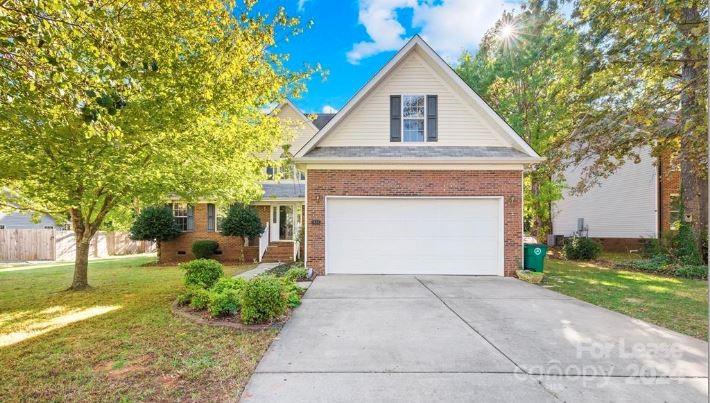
(674, 303)
(118, 341)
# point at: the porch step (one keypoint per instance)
(278, 251)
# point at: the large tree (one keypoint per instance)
(526, 69)
(645, 83)
(104, 104)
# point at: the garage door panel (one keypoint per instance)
(413, 236)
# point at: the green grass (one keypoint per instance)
(675, 303)
(117, 341)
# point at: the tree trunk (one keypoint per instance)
(81, 263)
(693, 177)
(157, 247)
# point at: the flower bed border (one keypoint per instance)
(189, 314)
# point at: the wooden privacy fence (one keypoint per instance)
(49, 244)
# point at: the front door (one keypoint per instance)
(282, 223)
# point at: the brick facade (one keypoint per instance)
(669, 184)
(232, 248)
(323, 183)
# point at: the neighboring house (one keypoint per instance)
(415, 175)
(637, 202)
(19, 220)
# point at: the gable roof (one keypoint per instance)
(418, 43)
(305, 118)
(322, 119)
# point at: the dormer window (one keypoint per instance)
(413, 113)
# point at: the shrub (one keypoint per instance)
(263, 299)
(580, 248)
(242, 221)
(223, 303)
(692, 271)
(185, 298)
(202, 272)
(296, 274)
(224, 284)
(204, 248)
(685, 245)
(200, 298)
(155, 223)
(293, 292)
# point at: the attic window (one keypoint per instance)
(413, 115)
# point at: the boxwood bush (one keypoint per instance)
(202, 273)
(264, 299)
(223, 303)
(580, 248)
(199, 298)
(204, 248)
(296, 274)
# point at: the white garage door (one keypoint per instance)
(414, 236)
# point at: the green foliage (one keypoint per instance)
(529, 79)
(105, 106)
(202, 273)
(155, 223)
(223, 303)
(199, 298)
(685, 243)
(242, 220)
(204, 248)
(264, 299)
(297, 273)
(293, 292)
(185, 297)
(226, 284)
(644, 75)
(581, 248)
(692, 271)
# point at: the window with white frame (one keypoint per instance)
(413, 118)
(674, 211)
(180, 214)
(220, 212)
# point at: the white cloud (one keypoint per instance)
(448, 26)
(380, 20)
(301, 4)
(329, 109)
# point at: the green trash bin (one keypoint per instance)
(534, 256)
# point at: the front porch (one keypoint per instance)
(282, 238)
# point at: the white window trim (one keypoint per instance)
(217, 227)
(401, 113)
(181, 216)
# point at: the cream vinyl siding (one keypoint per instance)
(299, 130)
(460, 123)
(623, 206)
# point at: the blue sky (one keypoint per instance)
(352, 39)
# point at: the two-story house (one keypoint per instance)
(415, 175)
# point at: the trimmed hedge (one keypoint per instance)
(264, 299)
(204, 248)
(202, 273)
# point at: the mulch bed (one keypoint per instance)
(231, 322)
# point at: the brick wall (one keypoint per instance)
(323, 183)
(669, 184)
(232, 247)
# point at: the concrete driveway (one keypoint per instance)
(453, 338)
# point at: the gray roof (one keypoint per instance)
(322, 119)
(283, 190)
(424, 151)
